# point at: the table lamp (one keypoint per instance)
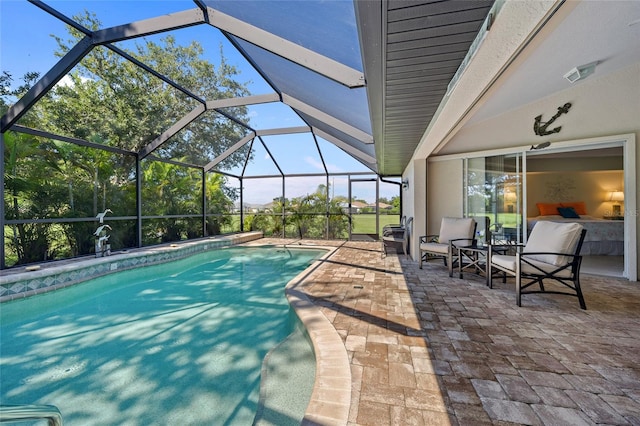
(616, 197)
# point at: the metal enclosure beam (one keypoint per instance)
(283, 131)
(75, 141)
(204, 203)
(264, 145)
(247, 100)
(139, 199)
(45, 84)
(348, 129)
(172, 21)
(371, 18)
(324, 164)
(184, 121)
(155, 73)
(42, 5)
(284, 48)
(229, 151)
(368, 160)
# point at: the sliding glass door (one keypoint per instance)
(493, 189)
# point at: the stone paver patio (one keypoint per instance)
(427, 349)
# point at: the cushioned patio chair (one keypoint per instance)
(453, 230)
(552, 253)
(403, 222)
(394, 237)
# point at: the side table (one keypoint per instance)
(475, 257)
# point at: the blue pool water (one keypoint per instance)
(177, 343)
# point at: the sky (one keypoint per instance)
(26, 44)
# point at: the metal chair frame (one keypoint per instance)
(395, 235)
(451, 257)
(572, 282)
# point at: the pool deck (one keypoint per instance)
(422, 348)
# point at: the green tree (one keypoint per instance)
(108, 100)
(129, 107)
(26, 188)
(303, 215)
(219, 203)
(170, 190)
(310, 215)
(395, 202)
(268, 221)
(31, 171)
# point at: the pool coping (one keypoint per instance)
(330, 400)
(20, 282)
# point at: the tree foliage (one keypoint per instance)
(108, 100)
(309, 216)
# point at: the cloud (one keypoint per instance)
(66, 81)
(331, 168)
(314, 163)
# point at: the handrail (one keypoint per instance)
(12, 413)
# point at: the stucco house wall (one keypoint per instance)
(601, 105)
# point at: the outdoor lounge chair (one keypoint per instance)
(403, 222)
(552, 253)
(394, 237)
(453, 230)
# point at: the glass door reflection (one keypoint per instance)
(493, 189)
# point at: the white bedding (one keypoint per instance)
(604, 237)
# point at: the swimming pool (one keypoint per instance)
(176, 343)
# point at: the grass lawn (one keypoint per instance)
(366, 223)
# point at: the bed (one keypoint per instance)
(603, 238)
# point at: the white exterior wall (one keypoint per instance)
(415, 173)
(601, 106)
(609, 105)
(444, 193)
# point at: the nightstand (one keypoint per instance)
(613, 217)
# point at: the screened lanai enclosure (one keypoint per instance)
(211, 118)
(165, 121)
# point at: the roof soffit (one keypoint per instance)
(409, 61)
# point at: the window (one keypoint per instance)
(493, 188)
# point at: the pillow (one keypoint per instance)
(547, 209)
(568, 213)
(578, 206)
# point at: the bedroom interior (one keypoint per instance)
(594, 176)
(590, 184)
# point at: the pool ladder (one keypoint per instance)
(15, 413)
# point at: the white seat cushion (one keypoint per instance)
(435, 247)
(509, 263)
(553, 237)
(452, 228)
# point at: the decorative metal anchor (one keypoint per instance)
(540, 128)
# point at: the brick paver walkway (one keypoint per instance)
(426, 349)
